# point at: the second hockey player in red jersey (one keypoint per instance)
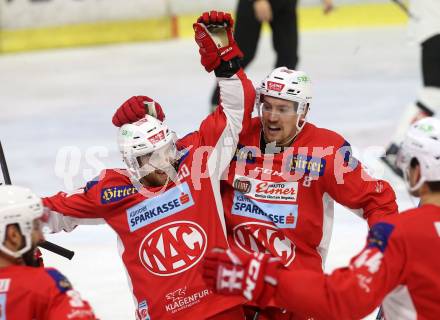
(399, 264)
(28, 292)
(279, 191)
(166, 208)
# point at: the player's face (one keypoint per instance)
(279, 119)
(157, 178)
(37, 233)
(30, 258)
(159, 166)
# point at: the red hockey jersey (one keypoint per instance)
(164, 237)
(28, 293)
(282, 203)
(400, 265)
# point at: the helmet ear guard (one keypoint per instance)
(421, 142)
(19, 206)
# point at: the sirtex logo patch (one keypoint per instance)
(113, 194)
(307, 164)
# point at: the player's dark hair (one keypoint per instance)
(434, 186)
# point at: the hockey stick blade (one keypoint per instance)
(46, 244)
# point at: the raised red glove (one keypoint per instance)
(213, 34)
(135, 109)
(231, 272)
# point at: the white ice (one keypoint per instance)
(60, 102)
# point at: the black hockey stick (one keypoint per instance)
(45, 244)
(380, 314)
(404, 8)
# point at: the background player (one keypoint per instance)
(165, 210)
(398, 265)
(424, 25)
(28, 292)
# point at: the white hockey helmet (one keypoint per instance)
(289, 85)
(148, 136)
(20, 206)
(422, 142)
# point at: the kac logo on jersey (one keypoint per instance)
(264, 238)
(173, 248)
(151, 210)
(116, 193)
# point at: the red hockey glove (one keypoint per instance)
(135, 109)
(213, 34)
(254, 276)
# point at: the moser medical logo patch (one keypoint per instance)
(151, 210)
(282, 215)
(173, 248)
(116, 193)
(264, 238)
(266, 190)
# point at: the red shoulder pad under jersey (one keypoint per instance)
(64, 302)
(39, 293)
(352, 292)
(350, 185)
(95, 197)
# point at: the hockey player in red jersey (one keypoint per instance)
(399, 264)
(279, 192)
(166, 208)
(29, 292)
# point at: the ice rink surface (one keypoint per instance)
(55, 124)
